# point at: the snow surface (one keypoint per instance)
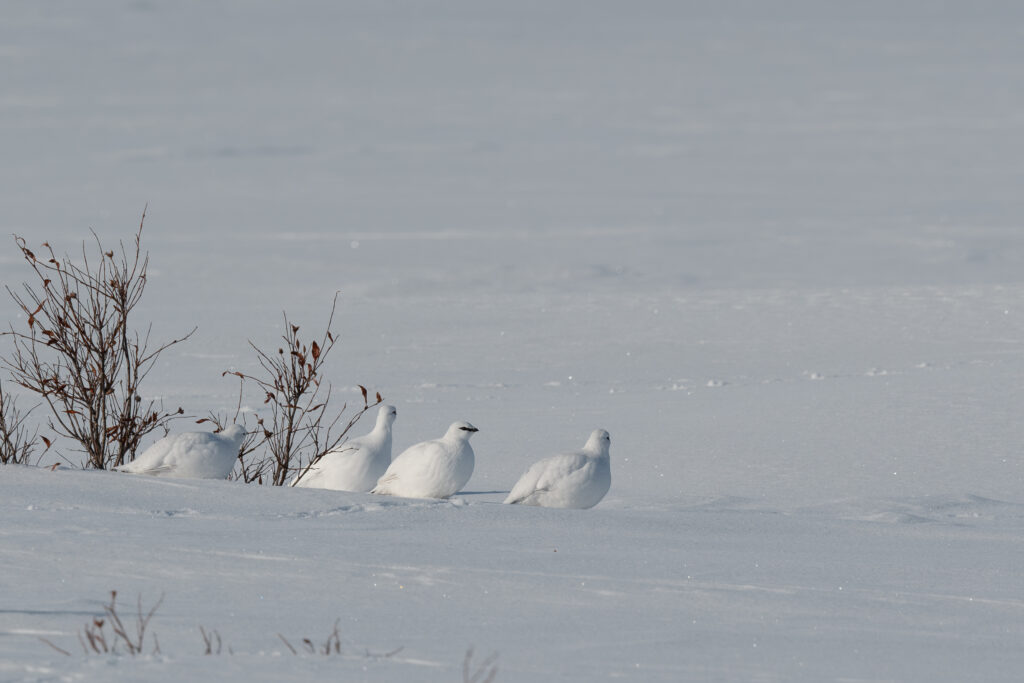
(776, 249)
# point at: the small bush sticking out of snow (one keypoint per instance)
(301, 426)
(332, 646)
(95, 638)
(17, 443)
(80, 352)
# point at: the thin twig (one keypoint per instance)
(485, 672)
(288, 644)
(58, 649)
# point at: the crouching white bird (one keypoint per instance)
(431, 469)
(190, 455)
(568, 480)
(355, 465)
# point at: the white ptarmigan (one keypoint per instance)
(568, 480)
(355, 465)
(190, 455)
(431, 469)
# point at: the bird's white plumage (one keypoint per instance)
(432, 469)
(568, 480)
(357, 464)
(190, 455)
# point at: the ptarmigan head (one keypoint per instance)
(387, 415)
(233, 433)
(461, 431)
(598, 443)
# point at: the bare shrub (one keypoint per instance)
(133, 642)
(96, 639)
(484, 672)
(80, 352)
(301, 426)
(18, 443)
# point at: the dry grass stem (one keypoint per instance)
(95, 640)
(58, 649)
(212, 642)
(484, 672)
(289, 645)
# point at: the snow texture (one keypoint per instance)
(568, 480)
(776, 249)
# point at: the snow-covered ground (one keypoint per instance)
(775, 249)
